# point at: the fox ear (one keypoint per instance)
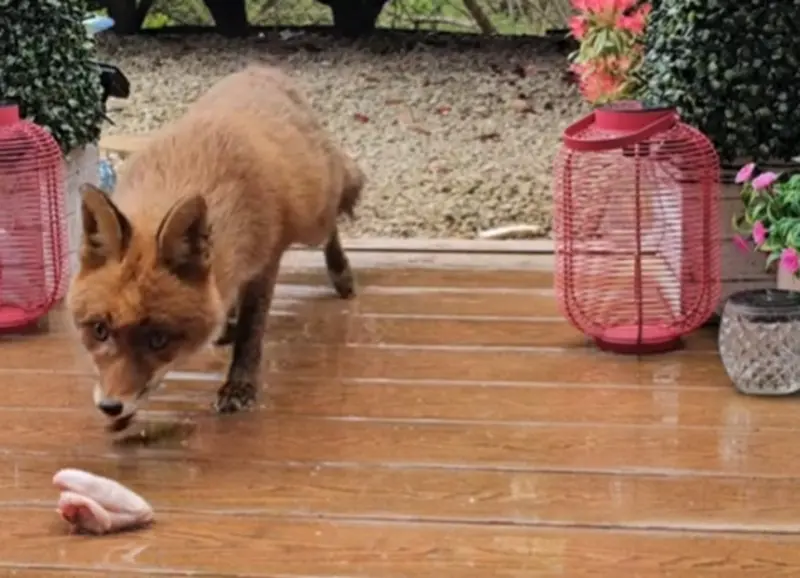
(183, 239)
(106, 231)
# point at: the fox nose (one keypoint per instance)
(110, 407)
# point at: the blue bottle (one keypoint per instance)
(108, 176)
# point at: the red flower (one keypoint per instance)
(623, 5)
(599, 84)
(635, 22)
(577, 68)
(578, 26)
(594, 6)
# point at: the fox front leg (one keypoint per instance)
(241, 386)
(229, 333)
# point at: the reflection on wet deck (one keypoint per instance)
(445, 424)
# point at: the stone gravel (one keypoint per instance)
(456, 136)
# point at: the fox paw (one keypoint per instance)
(344, 283)
(235, 395)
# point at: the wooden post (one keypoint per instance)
(230, 17)
(128, 16)
(354, 18)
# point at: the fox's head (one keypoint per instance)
(142, 299)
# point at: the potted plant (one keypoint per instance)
(46, 69)
(729, 68)
(610, 35)
(770, 221)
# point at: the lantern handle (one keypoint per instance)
(665, 122)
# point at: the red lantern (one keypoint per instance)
(33, 252)
(636, 223)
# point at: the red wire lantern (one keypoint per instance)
(33, 252)
(636, 223)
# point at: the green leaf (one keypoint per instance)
(739, 224)
(772, 258)
(757, 212)
(793, 236)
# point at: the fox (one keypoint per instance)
(185, 253)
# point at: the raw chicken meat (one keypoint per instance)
(99, 505)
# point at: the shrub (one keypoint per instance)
(610, 34)
(732, 69)
(45, 68)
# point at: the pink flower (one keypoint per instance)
(789, 260)
(578, 26)
(745, 173)
(741, 244)
(759, 233)
(764, 180)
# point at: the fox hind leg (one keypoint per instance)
(339, 270)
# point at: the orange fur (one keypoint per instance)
(207, 206)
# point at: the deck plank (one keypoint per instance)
(403, 443)
(536, 499)
(437, 401)
(301, 548)
(445, 423)
(482, 364)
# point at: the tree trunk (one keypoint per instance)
(355, 18)
(230, 17)
(480, 17)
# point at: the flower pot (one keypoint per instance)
(742, 271)
(758, 341)
(81, 167)
(787, 281)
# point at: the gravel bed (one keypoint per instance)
(455, 136)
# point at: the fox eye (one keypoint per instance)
(157, 340)
(99, 331)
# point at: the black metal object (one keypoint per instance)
(768, 305)
(114, 83)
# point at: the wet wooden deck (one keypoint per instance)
(446, 424)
